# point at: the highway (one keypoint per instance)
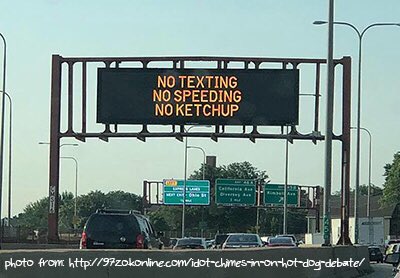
(381, 271)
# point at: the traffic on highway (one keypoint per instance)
(193, 139)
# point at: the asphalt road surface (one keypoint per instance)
(381, 271)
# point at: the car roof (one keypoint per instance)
(118, 211)
(242, 234)
(281, 237)
(202, 240)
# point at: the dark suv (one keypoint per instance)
(119, 229)
(375, 254)
(219, 240)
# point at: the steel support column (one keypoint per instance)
(54, 171)
(345, 186)
(71, 117)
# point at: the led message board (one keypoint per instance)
(198, 96)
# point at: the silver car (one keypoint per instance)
(243, 240)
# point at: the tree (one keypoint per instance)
(391, 187)
(66, 212)
(89, 203)
(363, 191)
(234, 219)
(123, 200)
(237, 170)
(375, 190)
(297, 223)
(34, 216)
(275, 227)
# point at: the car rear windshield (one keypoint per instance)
(243, 238)
(375, 249)
(101, 224)
(280, 240)
(189, 241)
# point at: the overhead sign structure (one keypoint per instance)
(274, 195)
(372, 223)
(235, 192)
(197, 192)
(198, 96)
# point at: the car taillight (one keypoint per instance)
(140, 241)
(83, 241)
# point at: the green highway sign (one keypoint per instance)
(235, 192)
(197, 192)
(273, 195)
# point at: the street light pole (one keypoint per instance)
(329, 128)
(76, 186)
(184, 188)
(9, 156)
(2, 133)
(360, 38)
(204, 177)
(370, 231)
(185, 178)
(76, 173)
(369, 173)
(286, 183)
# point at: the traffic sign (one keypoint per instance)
(327, 228)
(197, 192)
(273, 194)
(235, 192)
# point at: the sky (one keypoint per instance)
(35, 30)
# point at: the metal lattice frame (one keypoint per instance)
(179, 62)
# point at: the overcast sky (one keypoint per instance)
(35, 30)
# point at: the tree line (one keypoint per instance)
(210, 218)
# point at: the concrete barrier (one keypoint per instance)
(103, 263)
(20, 246)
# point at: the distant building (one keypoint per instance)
(384, 223)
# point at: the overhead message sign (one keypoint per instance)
(274, 194)
(197, 192)
(198, 96)
(233, 192)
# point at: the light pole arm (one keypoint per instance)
(351, 26)
(4, 61)
(2, 130)
(378, 24)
